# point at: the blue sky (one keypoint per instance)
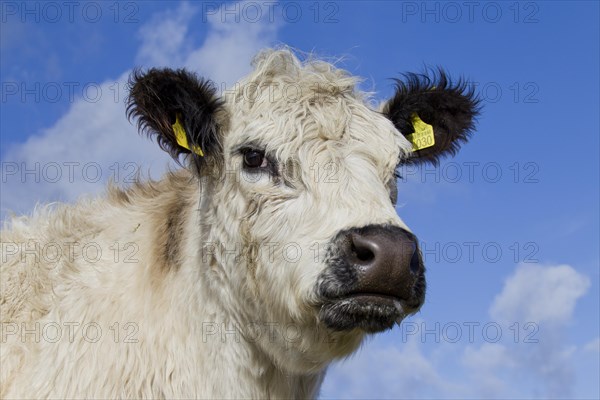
(510, 226)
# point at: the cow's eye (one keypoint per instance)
(254, 159)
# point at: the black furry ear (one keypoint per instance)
(180, 109)
(422, 104)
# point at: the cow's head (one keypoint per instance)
(300, 171)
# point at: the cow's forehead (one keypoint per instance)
(287, 106)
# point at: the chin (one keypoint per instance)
(370, 313)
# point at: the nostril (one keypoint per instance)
(362, 253)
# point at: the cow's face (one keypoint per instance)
(302, 175)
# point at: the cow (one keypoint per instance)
(272, 251)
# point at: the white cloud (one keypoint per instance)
(540, 294)
(487, 357)
(90, 143)
(229, 44)
(165, 40)
(95, 136)
(543, 369)
(485, 364)
(231, 40)
(545, 297)
(387, 371)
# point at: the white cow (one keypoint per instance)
(275, 251)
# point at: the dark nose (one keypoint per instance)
(386, 260)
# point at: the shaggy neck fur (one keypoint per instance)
(165, 331)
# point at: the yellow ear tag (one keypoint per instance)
(182, 137)
(423, 137)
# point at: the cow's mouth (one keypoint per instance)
(370, 312)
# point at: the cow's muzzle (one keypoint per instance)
(375, 277)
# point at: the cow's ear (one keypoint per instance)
(183, 111)
(433, 113)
